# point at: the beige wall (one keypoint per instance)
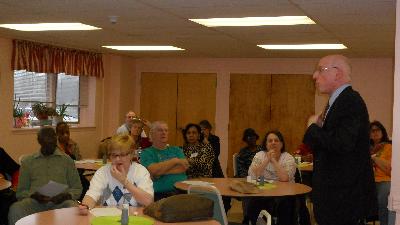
(119, 91)
(372, 77)
(118, 83)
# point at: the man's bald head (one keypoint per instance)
(342, 63)
(332, 72)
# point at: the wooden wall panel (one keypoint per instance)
(292, 101)
(158, 99)
(196, 100)
(249, 107)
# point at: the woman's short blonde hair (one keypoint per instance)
(121, 142)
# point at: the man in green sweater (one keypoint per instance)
(166, 164)
(49, 164)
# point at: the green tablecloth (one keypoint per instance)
(116, 220)
(267, 186)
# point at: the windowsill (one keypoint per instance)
(27, 130)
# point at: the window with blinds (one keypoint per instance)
(51, 89)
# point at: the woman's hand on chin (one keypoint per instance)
(118, 172)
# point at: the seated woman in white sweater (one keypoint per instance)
(122, 181)
(273, 163)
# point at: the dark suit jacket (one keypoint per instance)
(343, 179)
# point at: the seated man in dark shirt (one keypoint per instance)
(246, 154)
(49, 164)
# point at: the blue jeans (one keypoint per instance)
(383, 190)
(392, 217)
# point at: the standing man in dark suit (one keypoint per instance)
(343, 181)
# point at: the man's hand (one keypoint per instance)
(40, 198)
(184, 163)
(60, 198)
(317, 119)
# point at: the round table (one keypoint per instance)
(280, 188)
(89, 164)
(71, 216)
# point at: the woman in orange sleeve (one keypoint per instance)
(381, 154)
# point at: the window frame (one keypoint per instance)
(51, 94)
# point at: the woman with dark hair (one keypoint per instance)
(246, 154)
(65, 143)
(135, 132)
(273, 163)
(200, 155)
(71, 148)
(381, 154)
(214, 141)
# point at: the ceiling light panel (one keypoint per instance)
(145, 48)
(254, 21)
(303, 46)
(49, 26)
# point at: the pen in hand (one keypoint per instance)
(83, 210)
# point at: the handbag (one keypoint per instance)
(181, 208)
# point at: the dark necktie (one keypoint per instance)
(325, 112)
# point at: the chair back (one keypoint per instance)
(211, 192)
(264, 218)
(234, 160)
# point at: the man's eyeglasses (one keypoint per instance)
(321, 69)
(121, 155)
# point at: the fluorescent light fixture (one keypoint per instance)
(254, 21)
(303, 46)
(49, 26)
(145, 48)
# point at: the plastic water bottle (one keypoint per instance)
(125, 214)
(261, 180)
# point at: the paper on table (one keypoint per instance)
(196, 182)
(112, 211)
(52, 189)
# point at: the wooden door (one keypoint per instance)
(196, 100)
(292, 102)
(158, 99)
(249, 107)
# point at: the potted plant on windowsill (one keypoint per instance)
(61, 112)
(42, 113)
(18, 114)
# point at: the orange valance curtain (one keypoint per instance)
(42, 58)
